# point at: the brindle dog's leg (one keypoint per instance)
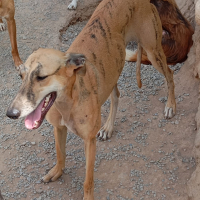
(157, 57)
(90, 152)
(106, 131)
(60, 134)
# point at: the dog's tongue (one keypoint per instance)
(34, 116)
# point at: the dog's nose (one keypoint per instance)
(13, 113)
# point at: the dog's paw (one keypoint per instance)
(53, 174)
(2, 27)
(105, 132)
(168, 113)
(72, 5)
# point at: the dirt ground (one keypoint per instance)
(147, 157)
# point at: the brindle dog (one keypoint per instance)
(71, 87)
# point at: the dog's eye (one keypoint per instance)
(40, 78)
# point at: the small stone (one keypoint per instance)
(33, 143)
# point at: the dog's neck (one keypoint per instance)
(64, 101)
(75, 97)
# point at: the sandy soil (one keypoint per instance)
(148, 157)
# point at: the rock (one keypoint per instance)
(187, 8)
(197, 12)
(194, 185)
(194, 182)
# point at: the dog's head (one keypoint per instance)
(46, 74)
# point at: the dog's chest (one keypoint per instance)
(4, 12)
(68, 124)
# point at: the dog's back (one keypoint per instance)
(104, 38)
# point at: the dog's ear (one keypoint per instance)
(75, 63)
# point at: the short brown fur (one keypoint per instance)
(87, 74)
(7, 10)
(177, 33)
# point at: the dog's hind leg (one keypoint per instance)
(60, 134)
(106, 131)
(170, 108)
(158, 60)
(150, 40)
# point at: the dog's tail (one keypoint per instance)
(138, 65)
(136, 56)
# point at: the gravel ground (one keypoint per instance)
(148, 157)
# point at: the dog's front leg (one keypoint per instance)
(60, 134)
(90, 151)
(107, 129)
(12, 33)
(89, 137)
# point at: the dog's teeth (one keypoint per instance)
(43, 109)
(45, 104)
(35, 124)
(47, 98)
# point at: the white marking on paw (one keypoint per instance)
(73, 5)
(104, 133)
(2, 27)
(168, 113)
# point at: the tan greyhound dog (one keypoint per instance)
(71, 87)
(7, 10)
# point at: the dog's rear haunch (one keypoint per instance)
(69, 88)
(176, 36)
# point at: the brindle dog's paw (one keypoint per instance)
(168, 113)
(2, 27)
(104, 133)
(53, 174)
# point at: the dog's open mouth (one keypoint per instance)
(35, 119)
